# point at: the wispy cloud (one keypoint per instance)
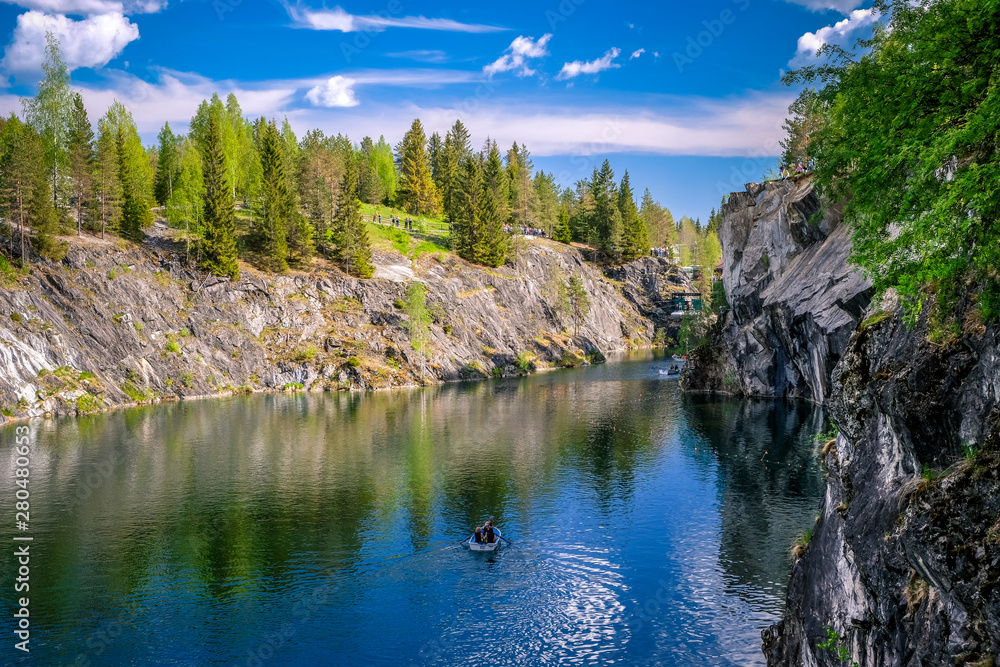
(636, 54)
(578, 67)
(91, 7)
(339, 20)
(517, 55)
(91, 42)
(839, 33)
(422, 55)
(842, 6)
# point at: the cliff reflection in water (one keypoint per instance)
(769, 479)
(186, 523)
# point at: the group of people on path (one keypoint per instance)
(660, 252)
(787, 169)
(525, 230)
(394, 221)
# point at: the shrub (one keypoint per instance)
(112, 273)
(448, 329)
(173, 347)
(353, 362)
(15, 317)
(136, 393)
(293, 386)
(7, 412)
(524, 362)
(800, 544)
(87, 404)
(305, 354)
(138, 326)
(187, 379)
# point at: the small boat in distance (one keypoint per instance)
(485, 546)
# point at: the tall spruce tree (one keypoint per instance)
(416, 193)
(634, 238)
(562, 232)
(219, 239)
(348, 233)
(274, 213)
(82, 161)
(466, 226)
(166, 165)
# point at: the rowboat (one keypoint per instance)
(484, 546)
(671, 372)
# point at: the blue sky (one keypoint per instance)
(684, 95)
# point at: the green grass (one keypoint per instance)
(353, 362)
(877, 318)
(173, 347)
(16, 317)
(8, 274)
(7, 412)
(305, 354)
(135, 392)
(87, 404)
(293, 386)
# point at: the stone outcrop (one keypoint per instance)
(114, 324)
(904, 562)
(794, 300)
(650, 283)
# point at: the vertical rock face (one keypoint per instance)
(117, 325)
(904, 564)
(794, 299)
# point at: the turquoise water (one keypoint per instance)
(646, 526)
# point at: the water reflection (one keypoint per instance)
(646, 525)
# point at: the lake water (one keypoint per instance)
(646, 526)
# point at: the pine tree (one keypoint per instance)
(274, 213)
(578, 301)
(491, 248)
(634, 236)
(21, 169)
(219, 241)
(435, 152)
(602, 187)
(417, 193)
(135, 213)
(348, 233)
(613, 241)
(563, 233)
(166, 166)
(466, 225)
(82, 159)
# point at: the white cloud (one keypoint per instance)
(578, 67)
(516, 57)
(92, 42)
(839, 33)
(91, 7)
(339, 20)
(174, 98)
(337, 91)
(842, 6)
(636, 54)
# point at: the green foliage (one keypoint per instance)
(187, 379)
(419, 318)
(579, 303)
(834, 644)
(15, 317)
(826, 436)
(524, 362)
(875, 319)
(416, 192)
(634, 236)
(172, 347)
(969, 452)
(349, 233)
(293, 386)
(563, 233)
(353, 362)
(276, 206)
(306, 354)
(112, 273)
(219, 242)
(7, 412)
(912, 145)
(137, 394)
(929, 474)
(87, 404)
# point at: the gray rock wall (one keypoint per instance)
(904, 563)
(115, 324)
(794, 299)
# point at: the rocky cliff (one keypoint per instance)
(794, 300)
(904, 562)
(115, 324)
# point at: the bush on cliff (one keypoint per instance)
(911, 143)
